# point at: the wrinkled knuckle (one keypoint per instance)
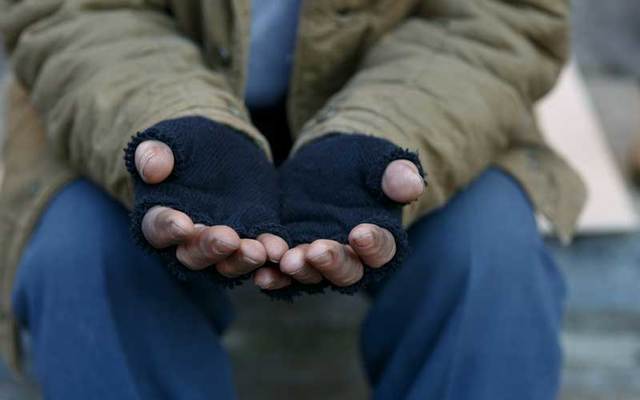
(218, 248)
(331, 262)
(210, 252)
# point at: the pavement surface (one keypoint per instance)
(309, 349)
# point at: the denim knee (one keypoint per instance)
(489, 233)
(81, 240)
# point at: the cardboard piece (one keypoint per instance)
(570, 125)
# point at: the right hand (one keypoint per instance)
(199, 246)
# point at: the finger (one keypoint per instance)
(270, 278)
(293, 263)
(336, 262)
(402, 182)
(164, 227)
(374, 245)
(210, 246)
(248, 257)
(274, 245)
(154, 161)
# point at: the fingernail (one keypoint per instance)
(320, 258)
(363, 237)
(292, 263)
(412, 175)
(250, 260)
(225, 245)
(146, 157)
(265, 282)
(415, 180)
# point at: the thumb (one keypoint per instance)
(154, 161)
(402, 182)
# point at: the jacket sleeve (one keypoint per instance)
(456, 82)
(98, 71)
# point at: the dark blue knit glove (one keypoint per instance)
(334, 184)
(220, 178)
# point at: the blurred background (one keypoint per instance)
(310, 349)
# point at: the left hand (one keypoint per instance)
(343, 264)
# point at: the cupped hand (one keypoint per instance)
(343, 264)
(198, 246)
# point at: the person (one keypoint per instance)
(378, 98)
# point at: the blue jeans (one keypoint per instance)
(473, 314)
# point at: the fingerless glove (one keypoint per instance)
(220, 178)
(334, 184)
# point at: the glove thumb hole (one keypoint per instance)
(402, 182)
(396, 177)
(152, 156)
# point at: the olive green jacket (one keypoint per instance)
(453, 79)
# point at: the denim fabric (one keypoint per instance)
(106, 320)
(474, 313)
